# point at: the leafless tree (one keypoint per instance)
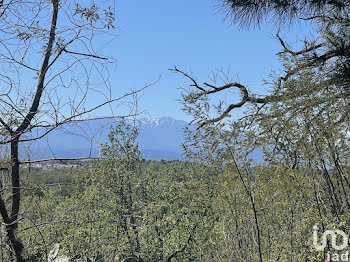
(52, 73)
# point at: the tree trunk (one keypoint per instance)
(11, 222)
(15, 182)
(16, 197)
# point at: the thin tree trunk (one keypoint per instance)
(16, 198)
(11, 222)
(16, 194)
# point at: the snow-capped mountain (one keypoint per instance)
(158, 139)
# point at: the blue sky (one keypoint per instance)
(155, 35)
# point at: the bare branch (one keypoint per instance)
(195, 84)
(87, 55)
(40, 86)
(245, 97)
(303, 51)
(57, 159)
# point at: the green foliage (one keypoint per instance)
(121, 208)
(218, 205)
(253, 12)
(302, 127)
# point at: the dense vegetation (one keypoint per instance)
(124, 208)
(217, 204)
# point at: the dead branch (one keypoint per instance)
(245, 97)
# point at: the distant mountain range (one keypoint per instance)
(158, 139)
